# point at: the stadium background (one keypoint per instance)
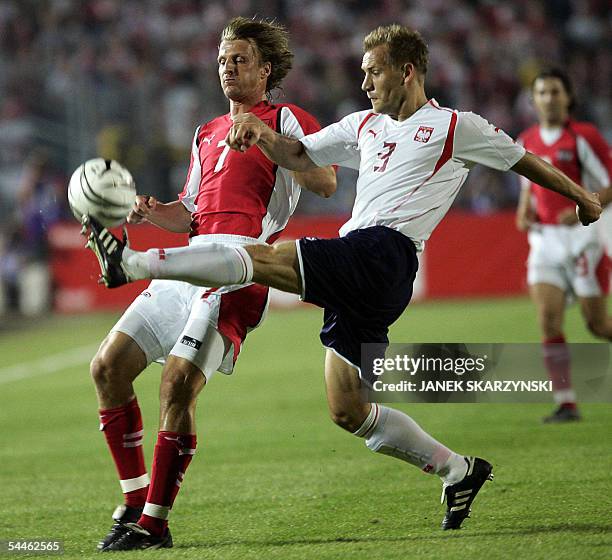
(130, 80)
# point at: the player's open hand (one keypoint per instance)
(245, 132)
(144, 206)
(588, 209)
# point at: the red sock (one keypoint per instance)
(122, 427)
(557, 362)
(173, 453)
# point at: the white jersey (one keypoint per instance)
(410, 171)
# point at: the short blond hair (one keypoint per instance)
(404, 45)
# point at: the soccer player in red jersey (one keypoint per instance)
(565, 258)
(229, 197)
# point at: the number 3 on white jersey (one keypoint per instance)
(388, 149)
(223, 155)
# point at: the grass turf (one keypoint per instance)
(273, 478)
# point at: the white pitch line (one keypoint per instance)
(49, 364)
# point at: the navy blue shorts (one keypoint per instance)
(363, 281)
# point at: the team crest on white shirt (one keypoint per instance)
(423, 134)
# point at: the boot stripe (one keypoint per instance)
(462, 500)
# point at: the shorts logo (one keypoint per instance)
(423, 134)
(146, 294)
(191, 342)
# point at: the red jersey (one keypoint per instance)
(243, 193)
(577, 149)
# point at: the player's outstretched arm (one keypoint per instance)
(248, 130)
(544, 174)
(172, 216)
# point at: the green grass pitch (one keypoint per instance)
(274, 478)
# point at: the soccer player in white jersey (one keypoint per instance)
(227, 197)
(413, 156)
(564, 258)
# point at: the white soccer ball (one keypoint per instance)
(104, 189)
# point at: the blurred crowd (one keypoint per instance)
(131, 79)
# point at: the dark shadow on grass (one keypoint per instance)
(578, 528)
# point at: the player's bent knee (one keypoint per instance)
(181, 383)
(599, 329)
(347, 420)
(118, 360)
(104, 371)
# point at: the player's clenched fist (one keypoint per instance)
(144, 206)
(245, 132)
(589, 209)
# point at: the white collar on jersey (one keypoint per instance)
(550, 135)
(427, 105)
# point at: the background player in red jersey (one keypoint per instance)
(565, 258)
(228, 197)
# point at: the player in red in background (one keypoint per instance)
(228, 197)
(565, 258)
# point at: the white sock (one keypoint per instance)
(208, 264)
(391, 432)
(135, 264)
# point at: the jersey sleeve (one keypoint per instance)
(336, 143)
(524, 183)
(594, 156)
(297, 123)
(478, 141)
(194, 176)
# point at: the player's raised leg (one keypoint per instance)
(392, 432)
(115, 366)
(276, 266)
(206, 264)
(550, 305)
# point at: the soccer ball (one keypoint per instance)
(104, 189)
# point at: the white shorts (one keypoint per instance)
(205, 326)
(569, 257)
(604, 226)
